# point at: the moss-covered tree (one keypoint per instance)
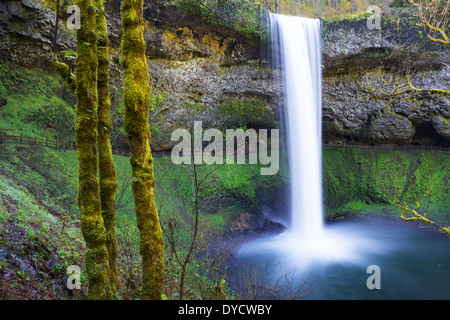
(107, 171)
(86, 122)
(136, 125)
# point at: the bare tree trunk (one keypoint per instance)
(55, 35)
(194, 236)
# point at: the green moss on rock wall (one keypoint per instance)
(354, 180)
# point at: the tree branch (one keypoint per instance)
(64, 70)
(402, 89)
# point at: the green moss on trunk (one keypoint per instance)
(136, 100)
(64, 70)
(88, 197)
(107, 171)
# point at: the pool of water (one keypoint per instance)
(413, 263)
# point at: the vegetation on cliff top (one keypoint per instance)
(242, 16)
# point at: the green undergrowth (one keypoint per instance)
(38, 103)
(224, 189)
(38, 221)
(39, 218)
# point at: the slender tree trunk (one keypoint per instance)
(55, 35)
(88, 197)
(136, 99)
(107, 171)
(62, 68)
(194, 235)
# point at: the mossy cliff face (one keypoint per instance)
(358, 181)
(203, 69)
(356, 57)
(26, 33)
(198, 70)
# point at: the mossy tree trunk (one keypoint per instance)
(107, 171)
(88, 195)
(136, 100)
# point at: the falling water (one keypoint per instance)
(296, 45)
(337, 254)
(298, 53)
(302, 68)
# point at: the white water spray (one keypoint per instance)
(297, 52)
(337, 254)
(301, 52)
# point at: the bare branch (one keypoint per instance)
(403, 91)
(434, 14)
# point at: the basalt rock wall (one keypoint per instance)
(201, 71)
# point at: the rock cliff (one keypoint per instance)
(204, 71)
(356, 57)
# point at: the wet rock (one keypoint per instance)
(442, 126)
(17, 263)
(248, 223)
(351, 116)
(272, 226)
(356, 57)
(201, 67)
(26, 33)
(3, 254)
(390, 128)
(243, 224)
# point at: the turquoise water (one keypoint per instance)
(413, 263)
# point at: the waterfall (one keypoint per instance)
(297, 52)
(308, 245)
